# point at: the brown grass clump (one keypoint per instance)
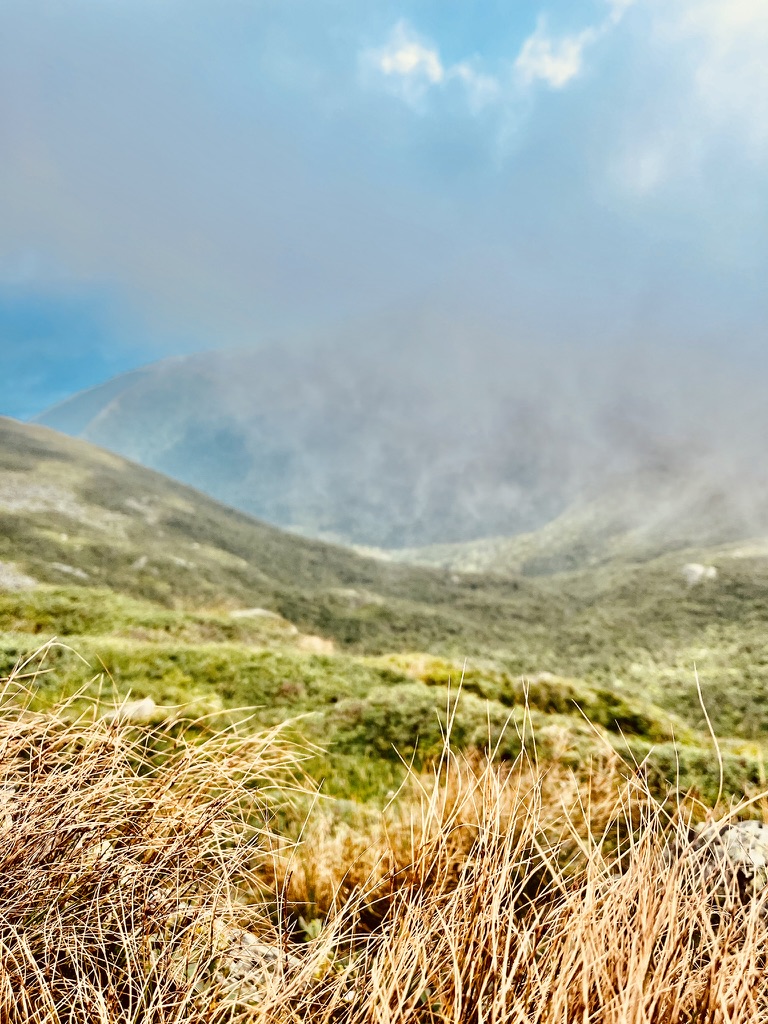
(526, 893)
(540, 919)
(141, 880)
(123, 850)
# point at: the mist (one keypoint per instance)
(420, 441)
(515, 275)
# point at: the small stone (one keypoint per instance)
(134, 712)
(694, 572)
(70, 570)
(736, 853)
(248, 961)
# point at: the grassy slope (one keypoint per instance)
(165, 566)
(65, 503)
(632, 524)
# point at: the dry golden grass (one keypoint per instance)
(530, 896)
(133, 857)
(122, 852)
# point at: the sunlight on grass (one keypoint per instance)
(188, 871)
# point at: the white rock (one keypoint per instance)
(734, 853)
(254, 613)
(70, 570)
(695, 572)
(134, 711)
(247, 960)
(12, 578)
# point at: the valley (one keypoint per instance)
(155, 590)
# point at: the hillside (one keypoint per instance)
(178, 598)
(72, 514)
(330, 446)
(627, 525)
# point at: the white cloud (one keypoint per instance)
(407, 57)
(407, 65)
(728, 42)
(558, 61)
(642, 169)
(554, 61)
(711, 107)
(481, 89)
(618, 8)
(411, 66)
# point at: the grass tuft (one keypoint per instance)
(176, 873)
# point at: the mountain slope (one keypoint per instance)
(330, 446)
(386, 454)
(160, 592)
(73, 514)
(143, 575)
(627, 525)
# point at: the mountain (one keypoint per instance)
(627, 525)
(174, 596)
(72, 514)
(391, 454)
(337, 447)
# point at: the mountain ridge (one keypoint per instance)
(72, 513)
(333, 449)
(94, 546)
(385, 457)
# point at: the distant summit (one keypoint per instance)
(336, 449)
(387, 455)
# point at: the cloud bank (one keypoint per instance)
(585, 176)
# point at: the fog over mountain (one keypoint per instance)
(180, 176)
(410, 450)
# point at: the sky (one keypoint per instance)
(185, 175)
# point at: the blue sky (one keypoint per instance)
(178, 175)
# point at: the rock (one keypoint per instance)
(70, 570)
(316, 645)
(134, 712)
(182, 562)
(248, 963)
(254, 613)
(145, 508)
(357, 598)
(733, 857)
(694, 572)
(12, 578)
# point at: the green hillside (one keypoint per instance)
(631, 524)
(72, 514)
(155, 590)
